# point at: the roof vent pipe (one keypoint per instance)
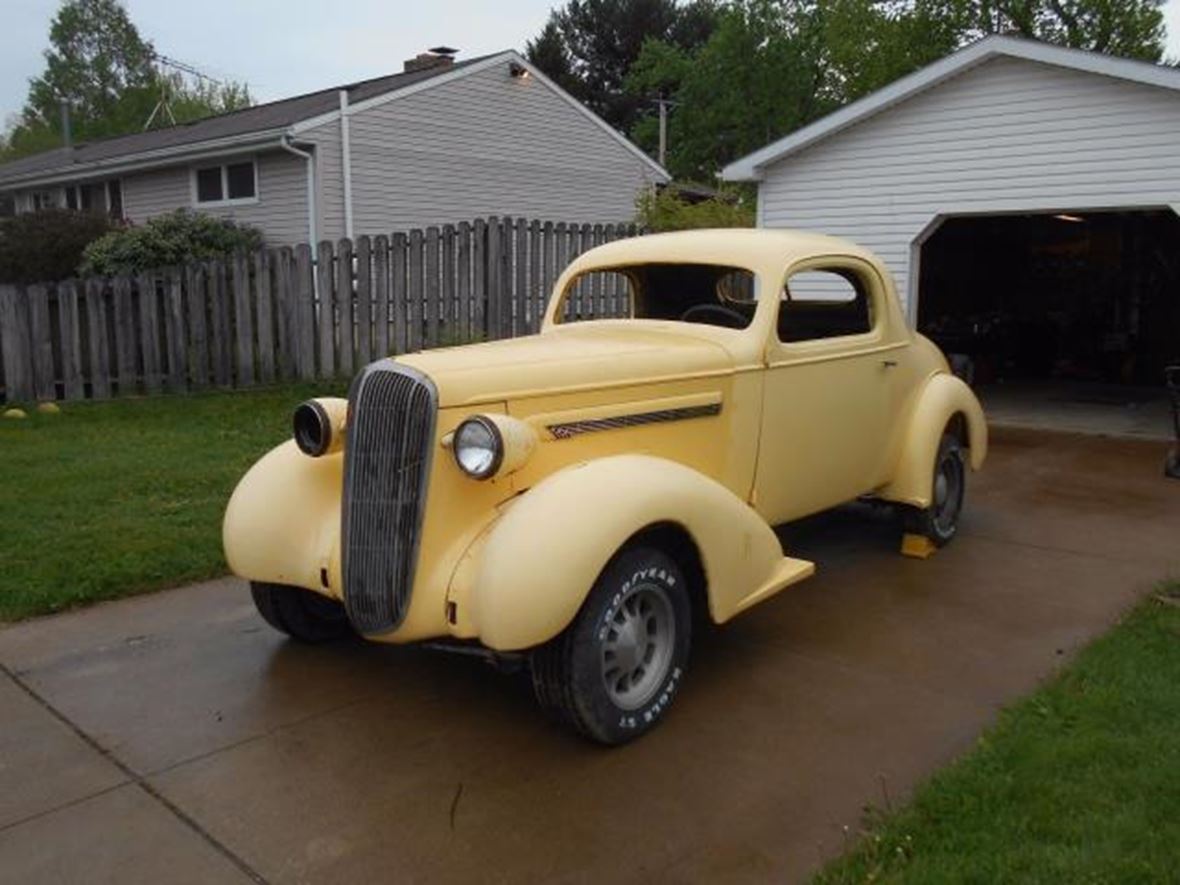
(67, 138)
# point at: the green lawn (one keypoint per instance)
(1079, 782)
(114, 498)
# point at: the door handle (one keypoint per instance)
(889, 364)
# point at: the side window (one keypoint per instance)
(818, 304)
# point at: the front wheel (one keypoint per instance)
(614, 671)
(301, 614)
(940, 521)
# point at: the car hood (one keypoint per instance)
(575, 357)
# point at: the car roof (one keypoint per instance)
(752, 248)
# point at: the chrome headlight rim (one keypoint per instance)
(497, 447)
(312, 428)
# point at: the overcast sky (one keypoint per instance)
(283, 48)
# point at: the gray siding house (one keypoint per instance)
(443, 141)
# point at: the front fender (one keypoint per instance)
(941, 398)
(524, 579)
(282, 523)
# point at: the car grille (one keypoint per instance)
(387, 450)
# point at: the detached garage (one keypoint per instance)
(1025, 198)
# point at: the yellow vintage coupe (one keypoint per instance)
(571, 499)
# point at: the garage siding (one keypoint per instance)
(280, 212)
(1009, 135)
(487, 144)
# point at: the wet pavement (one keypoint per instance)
(174, 737)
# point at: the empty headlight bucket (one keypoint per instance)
(318, 425)
(487, 445)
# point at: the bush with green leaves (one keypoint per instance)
(45, 246)
(168, 240)
(667, 209)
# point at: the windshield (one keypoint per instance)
(713, 294)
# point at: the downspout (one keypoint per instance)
(309, 158)
(346, 162)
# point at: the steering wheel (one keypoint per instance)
(728, 316)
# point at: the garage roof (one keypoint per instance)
(751, 166)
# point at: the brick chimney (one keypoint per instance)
(438, 57)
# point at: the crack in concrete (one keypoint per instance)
(134, 778)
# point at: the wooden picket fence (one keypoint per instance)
(282, 314)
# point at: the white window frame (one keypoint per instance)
(222, 165)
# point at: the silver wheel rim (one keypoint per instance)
(948, 493)
(637, 650)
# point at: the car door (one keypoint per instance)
(830, 390)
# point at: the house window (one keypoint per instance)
(39, 200)
(115, 199)
(228, 183)
(87, 197)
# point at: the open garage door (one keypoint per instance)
(1065, 317)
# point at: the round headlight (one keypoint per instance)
(313, 428)
(478, 447)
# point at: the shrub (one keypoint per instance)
(41, 247)
(168, 240)
(669, 209)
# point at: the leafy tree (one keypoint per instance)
(106, 71)
(759, 75)
(1128, 28)
(772, 66)
(588, 46)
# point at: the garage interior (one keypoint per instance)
(1068, 320)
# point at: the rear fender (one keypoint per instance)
(524, 579)
(941, 398)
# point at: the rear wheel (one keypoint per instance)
(614, 671)
(301, 614)
(940, 521)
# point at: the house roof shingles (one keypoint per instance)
(258, 118)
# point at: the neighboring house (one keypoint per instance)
(443, 141)
(1012, 182)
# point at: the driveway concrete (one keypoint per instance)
(176, 738)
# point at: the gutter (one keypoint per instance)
(346, 164)
(71, 172)
(309, 159)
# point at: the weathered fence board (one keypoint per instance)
(174, 331)
(98, 340)
(381, 296)
(304, 314)
(17, 343)
(70, 344)
(218, 291)
(286, 314)
(364, 300)
(149, 333)
(346, 315)
(243, 321)
(264, 303)
(325, 286)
